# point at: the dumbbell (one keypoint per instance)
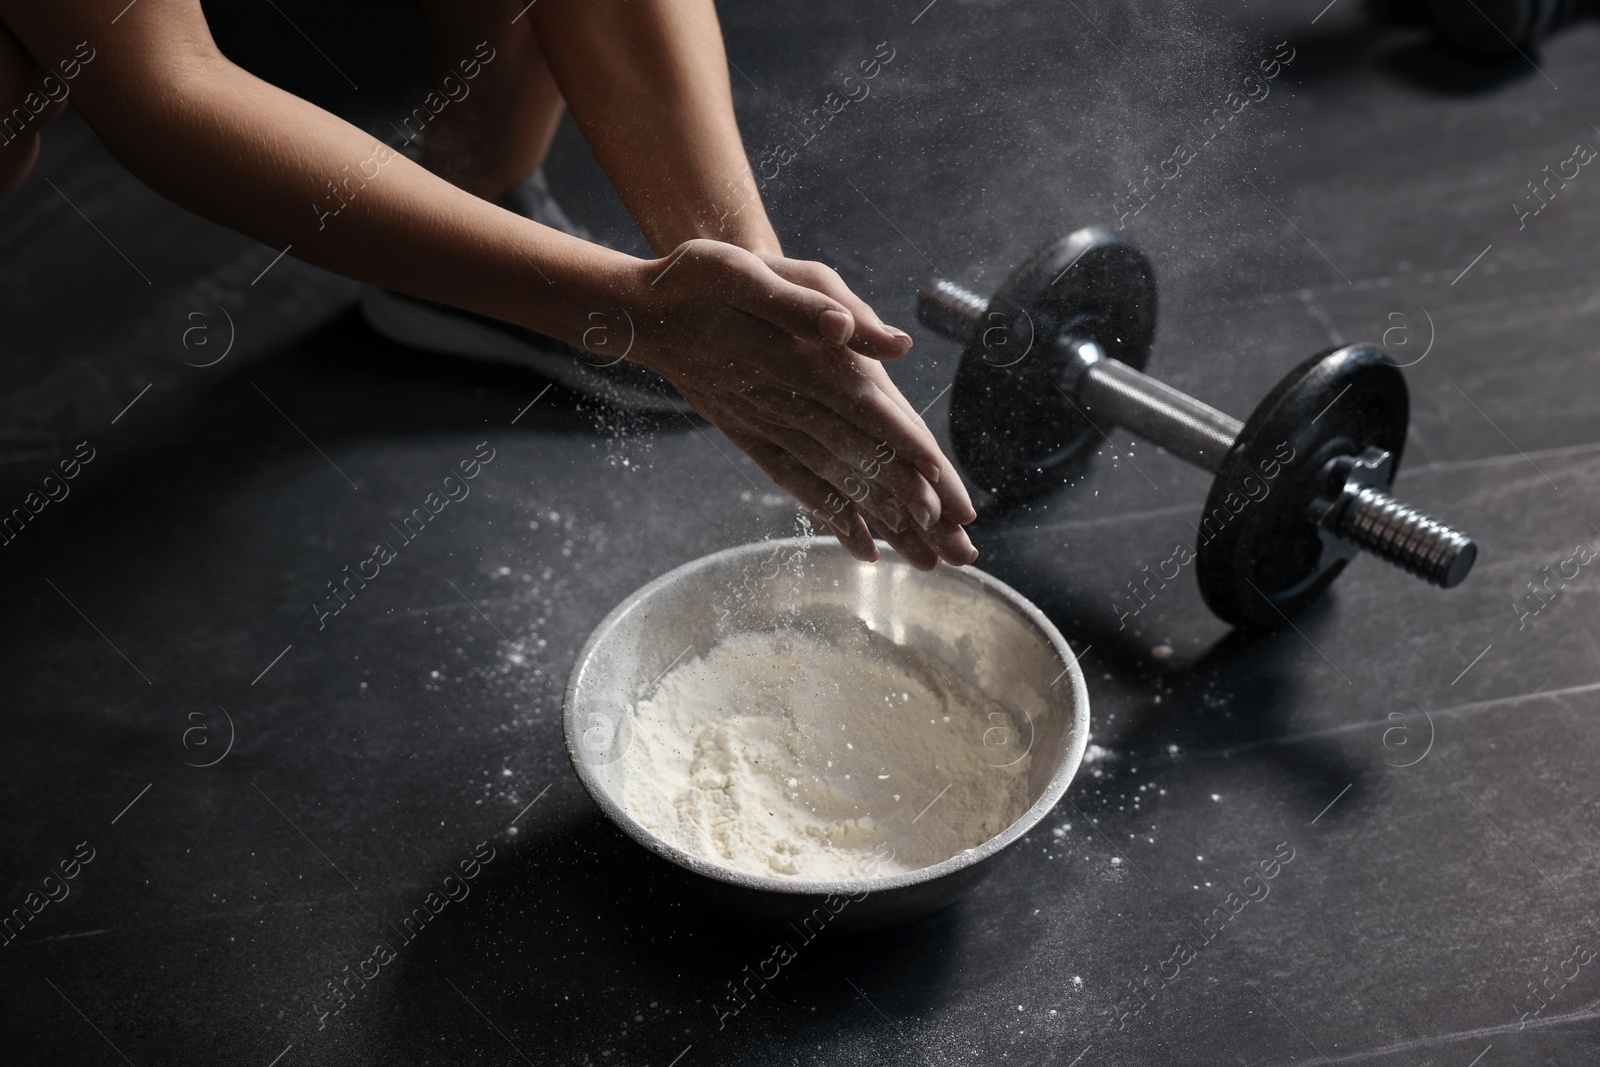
(1055, 359)
(1494, 29)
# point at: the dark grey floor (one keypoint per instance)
(1428, 756)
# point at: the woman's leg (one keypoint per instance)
(493, 128)
(647, 81)
(648, 84)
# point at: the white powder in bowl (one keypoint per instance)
(783, 754)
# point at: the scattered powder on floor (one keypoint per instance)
(784, 754)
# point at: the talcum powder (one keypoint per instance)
(786, 754)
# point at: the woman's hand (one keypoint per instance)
(782, 357)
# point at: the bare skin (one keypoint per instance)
(499, 132)
(778, 353)
(20, 75)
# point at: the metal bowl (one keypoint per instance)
(972, 623)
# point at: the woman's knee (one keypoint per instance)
(16, 161)
(29, 99)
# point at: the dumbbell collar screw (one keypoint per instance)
(1344, 477)
(1362, 515)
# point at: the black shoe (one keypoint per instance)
(435, 327)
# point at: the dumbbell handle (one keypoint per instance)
(1112, 393)
(1157, 412)
(1108, 391)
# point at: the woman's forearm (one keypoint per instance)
(647, 82)
(228, 146)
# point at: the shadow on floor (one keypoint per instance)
(577, 893)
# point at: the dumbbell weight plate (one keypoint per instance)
(1015, 434)
(1259, 558)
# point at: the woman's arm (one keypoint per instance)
(647, 82)
(773, 351)
(234, 149)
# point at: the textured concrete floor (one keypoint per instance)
(1426, 755)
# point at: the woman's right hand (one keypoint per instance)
(782, 357)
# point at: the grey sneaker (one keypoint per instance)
(435, 327)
